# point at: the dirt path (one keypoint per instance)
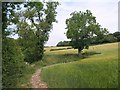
(36, 80)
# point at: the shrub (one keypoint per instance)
(12, 63)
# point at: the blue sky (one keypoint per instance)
(106, 12)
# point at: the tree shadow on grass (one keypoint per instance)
(74, 57)
(64, 58)
(90, 53)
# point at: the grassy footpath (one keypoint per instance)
(50, 57)
(99, 69)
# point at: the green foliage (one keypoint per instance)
(12, 57)
(32, 37)
(63, 43)
(32, 25)
(12, 63)
(105, 39)
(109, 39)
(82, 26)
(34, 34)
(117, 35)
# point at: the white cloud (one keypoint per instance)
(106, 12)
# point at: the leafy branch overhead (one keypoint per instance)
(33, 21)
(39, 16)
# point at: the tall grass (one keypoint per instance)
(94, 71)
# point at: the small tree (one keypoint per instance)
(82, 26)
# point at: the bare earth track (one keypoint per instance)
(36, 80)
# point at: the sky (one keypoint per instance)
(105, 11)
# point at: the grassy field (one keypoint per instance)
(98, 68)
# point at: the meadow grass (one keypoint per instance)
(97, 70)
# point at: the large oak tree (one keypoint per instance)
(81, 27)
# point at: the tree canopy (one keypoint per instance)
(81, 27)
(33, 26)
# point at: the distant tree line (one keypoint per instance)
(63, 43)
(112, 37)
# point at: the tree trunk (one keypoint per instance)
(79, 52)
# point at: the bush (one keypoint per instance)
(12, 63)
(32, 48)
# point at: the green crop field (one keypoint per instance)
(98, 68)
